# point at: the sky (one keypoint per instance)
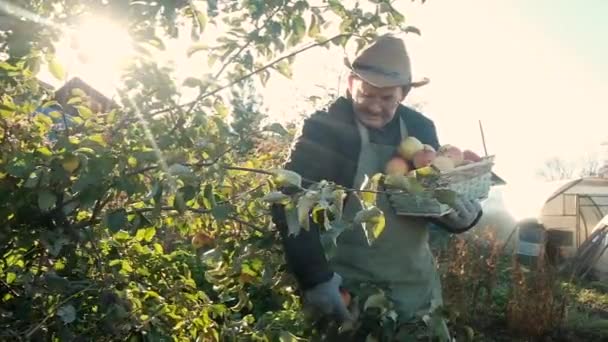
(533, 72)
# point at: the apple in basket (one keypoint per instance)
(397, 166)
(471, 156)
(443, 163)
(452, 152)
(424, 157)
(409, 146)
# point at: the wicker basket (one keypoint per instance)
(472, 181)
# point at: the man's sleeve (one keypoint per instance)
(311, 157)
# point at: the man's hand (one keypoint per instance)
(463, 215)
(325, 300)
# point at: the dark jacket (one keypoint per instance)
(328, 149)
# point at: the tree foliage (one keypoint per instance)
(145, 220)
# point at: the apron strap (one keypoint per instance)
(403, 128)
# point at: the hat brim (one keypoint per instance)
(381, 81)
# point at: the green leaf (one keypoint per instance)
(287, 178)
(10, 277)
(56, 283)
(305, 205)
(78, 92)
(412, 29)
(284, 68)
(126, 266)
(158, 248)
(46, 200)
(314, 30)
(132, 161)
(378, 301)
(84, 112)
(201, 17)
(97, 138)
(196, 48)
(369, 187)
(276, 128)
(372, 221)
(222, 211)
(117, 220)
(75, 100)
(264, 77)
(208, 196)
(67, 313)
(286, 336)
(179, 203)
(85, 150)
(44, 151)
(56, 69)
(19, 167)
(179, 170)
(122, 236)
(192, 82)
(275, 197)
(220, 108)
(149, 234)
(298, 26)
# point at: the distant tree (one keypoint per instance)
(557, 168)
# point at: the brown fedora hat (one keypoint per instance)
(385, 63)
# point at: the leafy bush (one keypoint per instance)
(144, 220)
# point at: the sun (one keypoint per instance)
(97, 50)
(101, 42)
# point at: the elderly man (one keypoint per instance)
(353, 139)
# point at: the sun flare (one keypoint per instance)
(102, 44)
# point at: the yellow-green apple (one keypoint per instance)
(409, 146)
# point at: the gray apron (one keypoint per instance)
(400, 261)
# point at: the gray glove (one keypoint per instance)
(463, 215)
(325, 300)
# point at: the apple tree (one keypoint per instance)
(148, 220)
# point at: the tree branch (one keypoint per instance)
(198, 165)
(265, 67)
(10, 289)
(256, 228)
(52, 313)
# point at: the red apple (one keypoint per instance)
(396, 166)
(424, 157)
(471, 156)
(451, 152)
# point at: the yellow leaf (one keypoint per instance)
(378, 224)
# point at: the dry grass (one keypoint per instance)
(488, 290)
(536, 304)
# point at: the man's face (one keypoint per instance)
(373, 106)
